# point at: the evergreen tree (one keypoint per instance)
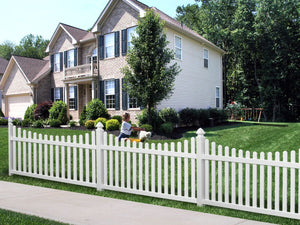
(148, 77)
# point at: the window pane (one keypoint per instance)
(109, 87)
(109, 40)
(131, 32)
(132, 103)
(71, 58)
(178, 53)
(71, 92)
(177, 42)
(110, 101)
(57, 96)
(57, 62)
(205, 54)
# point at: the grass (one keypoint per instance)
(241, 136)
(12, 218)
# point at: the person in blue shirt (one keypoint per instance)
(126, 127)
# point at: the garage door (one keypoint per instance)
(17, 105)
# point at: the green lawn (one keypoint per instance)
(240, 136)
(13, 218)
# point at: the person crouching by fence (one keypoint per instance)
(126, 127)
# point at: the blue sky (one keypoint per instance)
(19, 18)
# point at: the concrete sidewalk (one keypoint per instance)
(75, 208)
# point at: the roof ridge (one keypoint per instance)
(26, 57)
(64, 24)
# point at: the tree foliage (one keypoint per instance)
(30, 46)
(261, 38)
(149, 77)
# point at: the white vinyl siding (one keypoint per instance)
(109, 45)
(178, 47)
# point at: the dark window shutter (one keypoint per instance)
(206, 63)
(101, 47)
(61, 61)
(66, 59)
(117, 44)
(75, 95)
(124, 96)
(52, 62)
(52, 94)
(101, 88)
(61, 90)
(75, 57)
(124, 42)
(117, 94)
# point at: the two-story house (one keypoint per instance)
(86, 65)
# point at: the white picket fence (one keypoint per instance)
(193, 171)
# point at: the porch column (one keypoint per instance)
(93, 90)
(67, 97)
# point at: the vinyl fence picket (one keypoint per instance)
(213, 172)
(41, 155)
(220, 175)
(247, 181)
(186, 169)
(63, 162)
(87, 159)
(233, 177)
(153, 168)
(262, 182)
(134, 168)
(147, 168)
(29, 153)
(74, 159)
(56, 157)
(292, 184)
(51, 156)
(193, 169)
(46, 156)
(226, 178)
(69, 157)
(284, 183)
(24, 153)
(166, 170)
(254, 182)
(179, 169)
(159, 169)
(172, 169)
(240, 179)
(277, 181)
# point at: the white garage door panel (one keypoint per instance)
(17, 105)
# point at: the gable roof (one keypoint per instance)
(3, 65)
(76, 34)
(170, 22)
(32, 69)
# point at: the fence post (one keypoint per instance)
(100, 158)
(200, 167)
(10, 146)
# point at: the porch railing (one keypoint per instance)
(85, 70)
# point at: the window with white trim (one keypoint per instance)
(131, 32)
(57, 62)
(110, 101)
(205, 57)
(109, 45)
(132, 103)
(72, 97)
(178, 47)
(217, 97)
(58, 94)
(70, 60)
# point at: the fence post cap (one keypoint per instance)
(99, 125)
(200, 132)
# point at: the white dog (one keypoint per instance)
(144, 135)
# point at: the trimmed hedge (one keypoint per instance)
(102, 120)
(90, 124)
(112, 124)
(167, 128)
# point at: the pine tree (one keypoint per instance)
(148, 77)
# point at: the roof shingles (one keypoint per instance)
(33, 68)
(3, 65)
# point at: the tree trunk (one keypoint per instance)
(259, 87)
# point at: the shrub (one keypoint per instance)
(29, 113)
(119, 118)
(147, 127)
(96, 109)
(59, 111)
(234, 110)
(82, 118)
(167, 128)
(72, 123)
(26, 123)
(54, 123)
(102, 120)
(38, 124)
(17, 122)
(155, 119)
(3, 122)
(188, 116)
(63, 117)
(90, 124)
(218, 115)
(112, 124)
(203, 117)
(1, 113)
(169, 115)
(42, 110)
